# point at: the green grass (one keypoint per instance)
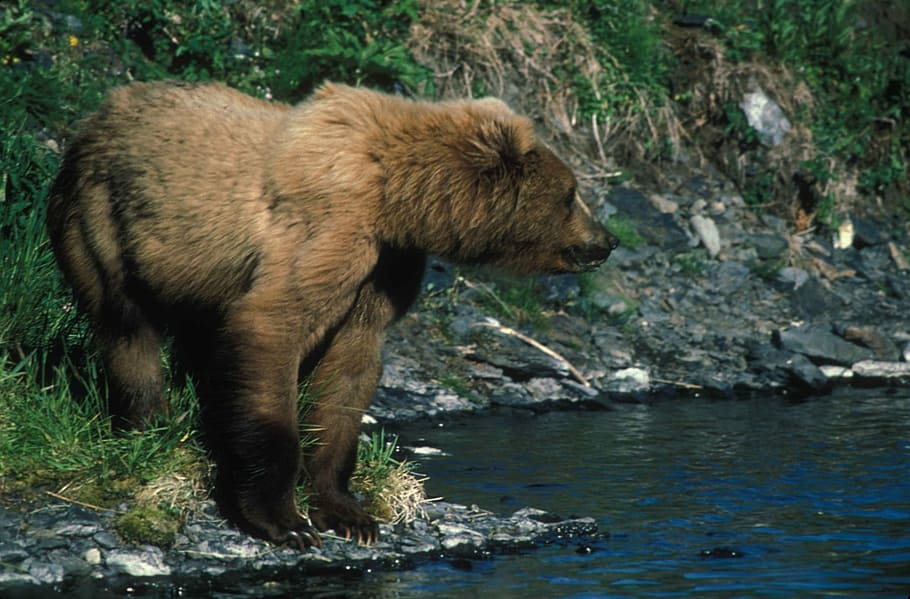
(53, 441)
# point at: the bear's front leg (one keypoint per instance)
(344, 384)
(250, 413)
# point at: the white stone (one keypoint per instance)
(707, 232)
(836, 372)
(664, 205)
(882, 370)
(92, 556)
(766, 117)
(635, 375)
(146, 562)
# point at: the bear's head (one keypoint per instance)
(525, 202)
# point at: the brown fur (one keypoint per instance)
(272, 241)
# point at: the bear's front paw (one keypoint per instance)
(347, 518)
(302, 537)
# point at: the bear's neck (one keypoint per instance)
(431, 201)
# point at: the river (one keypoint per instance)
(758, 497)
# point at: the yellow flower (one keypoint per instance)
(74, 41)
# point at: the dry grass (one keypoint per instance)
(395, 496)
(520, 53)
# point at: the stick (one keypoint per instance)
(77, 502)
(677, 383)
(492, 323)
(600, 146)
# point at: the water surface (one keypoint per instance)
(759, 497)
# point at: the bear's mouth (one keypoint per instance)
(586, 258)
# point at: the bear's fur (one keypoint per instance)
(274, 242)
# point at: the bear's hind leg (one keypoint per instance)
(129, 343)
(132, 364)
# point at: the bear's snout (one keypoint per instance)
(591, 255)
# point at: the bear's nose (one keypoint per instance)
(612, 241)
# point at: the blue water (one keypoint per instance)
(761, 497)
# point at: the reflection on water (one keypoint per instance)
(815, 496)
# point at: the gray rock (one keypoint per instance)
(786, 369)
(792, 276)
(655, 227)
(729, 276)
(812, 300)
(807, 373)
(769, 246)
(868, 231)
(628, 380)
(42, 571)
(821, 345)
(906, 352)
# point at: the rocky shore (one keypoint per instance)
(712, 298)
(71, 549)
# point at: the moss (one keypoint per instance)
(148, 526)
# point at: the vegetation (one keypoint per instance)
(612, 80)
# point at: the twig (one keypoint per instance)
(77, 502)
(492, 323)
(486, 289)
(600, 146)
(677, 383)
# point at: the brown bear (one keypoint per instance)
(275, 242)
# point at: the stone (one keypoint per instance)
(629, 380)
(875, 370)
(729, 276)
(868, 231)
(870, 337)
(663, 204)
(92, 556)
(707, 232)
(44, 572)
(769, 246)
(655, 227)
(786, 368)
(147, 561)
(806, 373)
(812, 300)
(836, 372)
(765, 116)
(792, 276)
(821, 345)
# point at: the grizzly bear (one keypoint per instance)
(273, 243)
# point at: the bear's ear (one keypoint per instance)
(500, 143)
